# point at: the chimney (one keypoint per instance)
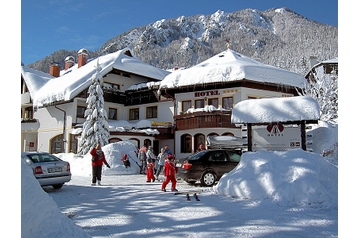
(69, 62)
(55, 69)
(82, 57)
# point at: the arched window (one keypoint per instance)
(199, 139)
(213, 134)
(185, 144)
(113, 140)
(57, 144)
(228, 134)
(147, 142)
(135, 141)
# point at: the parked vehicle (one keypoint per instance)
(48, 169)
(207, 166)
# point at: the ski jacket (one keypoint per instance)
(142, 155)
(150, 156)
(161, 158)
(169, 168)
(98, 157)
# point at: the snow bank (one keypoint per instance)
(113, 152)
(40, 215)
(292, 177)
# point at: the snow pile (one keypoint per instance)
(230, 66)
(81, 165)
(39, 211)
(288, 178)
(275, 110)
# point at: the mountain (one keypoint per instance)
(277, 37)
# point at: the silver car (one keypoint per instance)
(48, 169)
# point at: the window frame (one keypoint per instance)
(224, 106)
(77, 111)
(115, 113)
(151, 112)
(133, 114)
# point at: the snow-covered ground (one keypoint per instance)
(269, 194)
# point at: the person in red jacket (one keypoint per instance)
(150, 170)
(169, 172)
(98, 159)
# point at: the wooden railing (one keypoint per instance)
(203, 120)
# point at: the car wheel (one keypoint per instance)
(208, 179)
(57, 186)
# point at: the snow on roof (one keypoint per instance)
(269, 110)
(45, 89)
(231, 66)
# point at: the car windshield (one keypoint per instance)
(39, 158)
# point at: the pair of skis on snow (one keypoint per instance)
(188, 196)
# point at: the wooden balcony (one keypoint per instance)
(203, 120)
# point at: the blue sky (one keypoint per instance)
(51, 25)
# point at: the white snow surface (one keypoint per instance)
(275, 110)
(230, 66)
(269, 194)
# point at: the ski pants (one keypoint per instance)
(169, 178)
(96, 173)
(150, 175)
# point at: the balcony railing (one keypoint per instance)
(204, 120)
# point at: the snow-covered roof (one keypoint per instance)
(46, 89)
(269, 110)
(231, 66)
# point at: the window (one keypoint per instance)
(125, 74)
(199, 139)
(199, 103)
(185, 145)
(114, 140)
(112, 114)
(217, 156)
(134, 114)
(151, 112)
(214, 102)
(73, 143)
(185, 106)
(57, 144)
(234, 156)
(227, 103)
(81, 112)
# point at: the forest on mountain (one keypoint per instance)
(277, 37)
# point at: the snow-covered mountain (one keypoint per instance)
(278, 37)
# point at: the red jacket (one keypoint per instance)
(99, 159)
(169, 168)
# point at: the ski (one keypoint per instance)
(187, 197)
(187, 192)
(196, 197)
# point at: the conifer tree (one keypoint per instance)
(324, 89)
(95, 128)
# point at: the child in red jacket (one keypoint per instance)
(150, 171)
(98, 159)
(169, 172)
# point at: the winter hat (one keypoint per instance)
(162, 150)
(170, 157)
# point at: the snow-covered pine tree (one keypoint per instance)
(324, 89)
(95, 128)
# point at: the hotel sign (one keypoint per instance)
(206, 93)
(276, 136)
